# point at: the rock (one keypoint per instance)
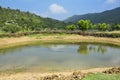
(74, 76)
(47, 78)
(115, 70)
(78, 75)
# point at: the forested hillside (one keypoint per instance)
(16, 20)
(109, 16)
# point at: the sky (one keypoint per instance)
(61, 9)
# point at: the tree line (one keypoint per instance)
(85, 25)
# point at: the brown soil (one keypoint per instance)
(76, 75)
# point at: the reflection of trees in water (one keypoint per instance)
(101, 49)
(10, 50)
(85, 49)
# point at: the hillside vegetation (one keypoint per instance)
(109, 16)
(15, 20)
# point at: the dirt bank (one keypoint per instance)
(76, 75)
(10, 42)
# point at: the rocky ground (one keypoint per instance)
(74, 76)
(115, 70)
(79, 75)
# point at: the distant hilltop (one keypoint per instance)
(108, 16)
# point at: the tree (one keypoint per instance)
(83, 24)
(71, 27)
(117, 27)
(102, 27)
(92, 26)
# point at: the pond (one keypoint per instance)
(59, 57)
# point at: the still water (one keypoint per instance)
(60, 57)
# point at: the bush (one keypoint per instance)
(11, 28)
(71, 27)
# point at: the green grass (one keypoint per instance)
(46, 34)
(39, 36)
(1, 32)
(102, 76)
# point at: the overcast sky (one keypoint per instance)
(61, 9)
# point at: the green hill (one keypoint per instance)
(11, 19)
(109, 16)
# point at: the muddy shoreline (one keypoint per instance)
(55, 39)
(76, 75)
(72, 39)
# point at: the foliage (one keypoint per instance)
(12, 21)
(83, 24)
(117, 27)
(71, 27)
(87, 25)
(12, 28)
(26, 21)
(102, 27)
(96, 34)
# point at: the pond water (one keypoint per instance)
(60, 57)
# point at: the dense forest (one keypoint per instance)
(12, 20)
(109, 17)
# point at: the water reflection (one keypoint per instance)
(11, 50)
(83, 49)
(60, 56)
(86, 49)
(101, 49)
(57, 47)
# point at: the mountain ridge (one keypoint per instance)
(108, 16)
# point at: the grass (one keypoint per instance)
(113, 34)
(1, 32)
(55, 36)
(38, 35)
(102, 76)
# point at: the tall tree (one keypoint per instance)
(83, 24)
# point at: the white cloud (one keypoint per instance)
(111, 1)
(57, 9)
